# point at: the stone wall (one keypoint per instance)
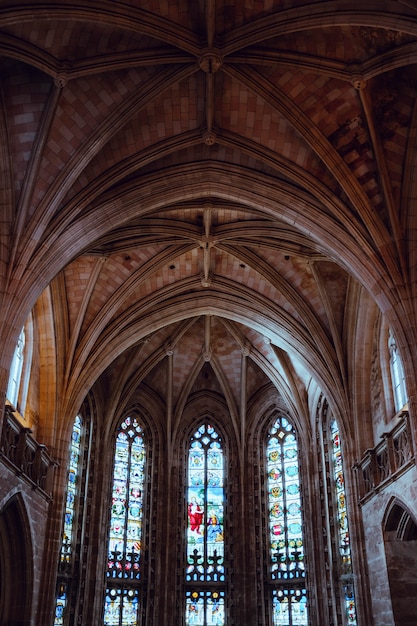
(374, 512)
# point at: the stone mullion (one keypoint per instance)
(167, 509)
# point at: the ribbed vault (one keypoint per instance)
(226, 191)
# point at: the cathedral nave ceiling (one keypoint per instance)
(210, 181)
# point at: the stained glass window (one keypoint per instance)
(68, 539)
(287, 569)
(205, 574)
(343, 527)
(123, 599)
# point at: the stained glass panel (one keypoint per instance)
(290, 607)
(287, 568)
(67, 544)
(204, 608)
(125, 535)
(343, 527)
(61, 603)
(72, 485)
(205, 529)
(121, 607)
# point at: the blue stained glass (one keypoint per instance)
(291, 453)
(121, 607)
(344, 539)
(205, 608)
(289, 603)
(291, 470)
(72, 484)
(205, 529)
(67, 545)
(125, 534)
(293, 490)
(197, 478)
(61, 603)
(294, 509)
(294, 529)
(290, 607)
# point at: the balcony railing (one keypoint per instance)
(387, 461)
(25, 456)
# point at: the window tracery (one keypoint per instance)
(205, 572)
(338, 552)
(66, 562)
(285, 525)
(343, 525)
(124, 597)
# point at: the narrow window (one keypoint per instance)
(16, 369)
(287, 570)
(397, 375)
(123, 600)
(66, 561)
(343, 527)
(205, 574)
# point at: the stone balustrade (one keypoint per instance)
(385, 462)
(25, 456)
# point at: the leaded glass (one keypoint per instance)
(125, 535)
(205, 608)
(121, 607)
(67, 545)
(72, 486)
(287, 571)
(61, 603)
(343, 527)
(289, 607)
(205, 529)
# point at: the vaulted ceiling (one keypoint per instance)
(225, 184)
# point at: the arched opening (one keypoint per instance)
(15, 565)
(400, 538)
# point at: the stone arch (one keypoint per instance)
(16, 576)
(400, 542)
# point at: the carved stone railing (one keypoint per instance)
(387, 461)
(24, 455)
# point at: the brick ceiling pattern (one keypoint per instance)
(208, 182)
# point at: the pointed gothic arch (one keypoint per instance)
(400, 542)
(16, 564)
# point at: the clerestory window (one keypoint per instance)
(397, 375)
(19, 375)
